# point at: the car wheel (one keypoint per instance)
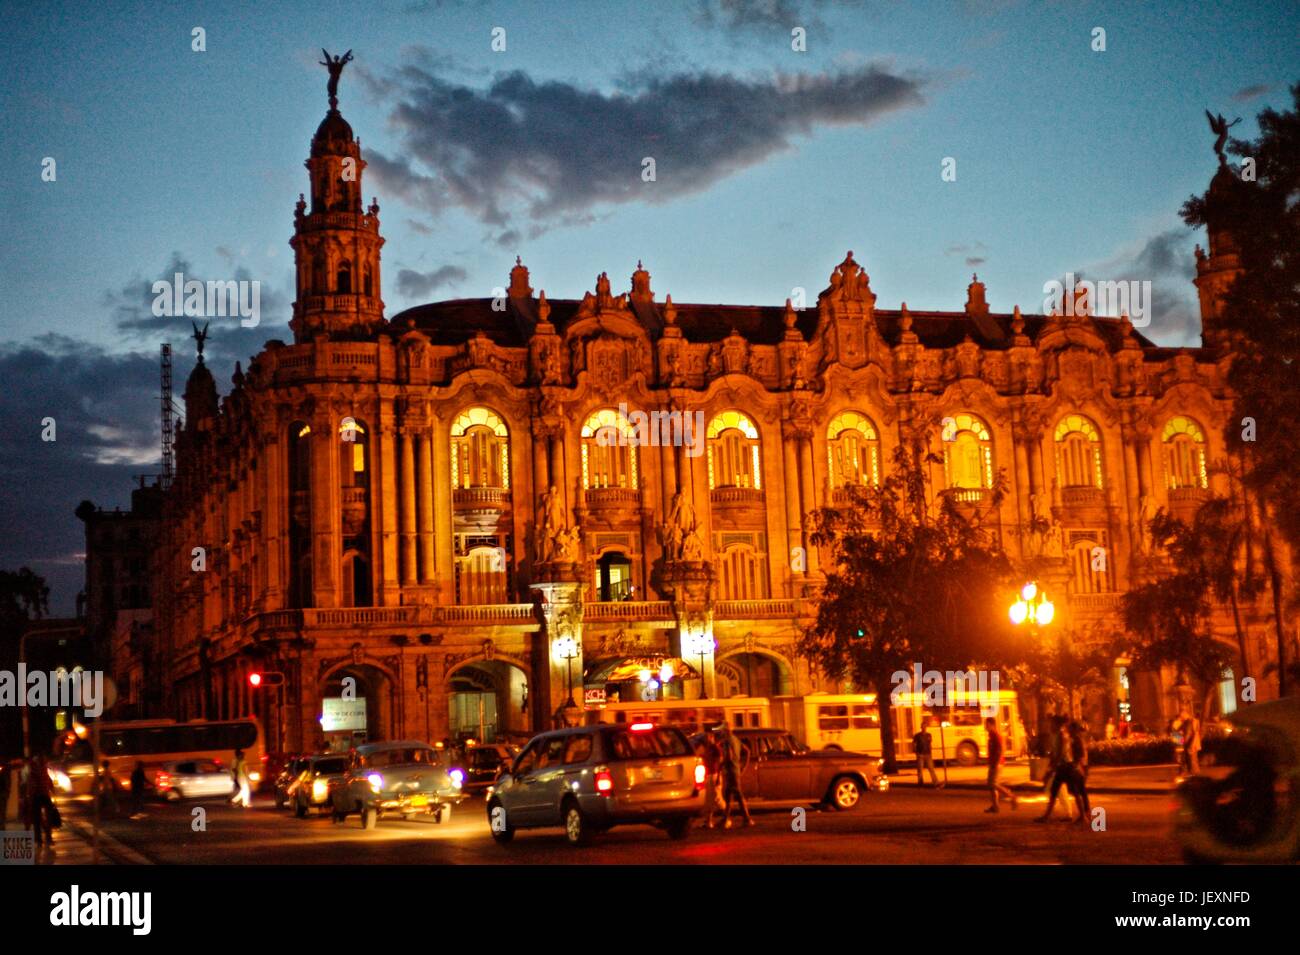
(846, 793)
(833, 748)
(968, 754)
(337, 814)
(576, 828)
(679, 828)
(502, 831)
(369, 818)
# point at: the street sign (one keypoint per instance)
(339, 715)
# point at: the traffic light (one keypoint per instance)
(258, 679)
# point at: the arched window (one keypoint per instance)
(614, 577)
(734, 456)
(1090, 566)
(742, 574)
(1184, 443)
(480, 450)
(354, 444)
(344, 284)
(854, 450)
(967, 452)
(481, 577)
(1078, 453)
(300, 580)
(609, 456)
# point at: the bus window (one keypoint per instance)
(831, 718)
(865, 717)
(967, 716)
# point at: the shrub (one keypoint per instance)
(1140, 751)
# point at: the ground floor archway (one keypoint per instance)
(753, 674)
(487, 700)
(356, 706)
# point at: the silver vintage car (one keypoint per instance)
(399, 778)
(591, 778)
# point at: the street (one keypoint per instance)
(903, 826)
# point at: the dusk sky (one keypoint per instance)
(770, 164)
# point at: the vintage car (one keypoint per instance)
(398, 778)
(315, 785)
(777, 770)
(1243, 805)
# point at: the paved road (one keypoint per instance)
(902, 826)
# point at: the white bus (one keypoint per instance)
(742, 712)
(851, 721)
(153, 742)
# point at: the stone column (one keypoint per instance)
(408, 505)
(425, 506)
(275, 496)
(1024, 500)
(807, 496)
(793, 518)
(442, 512)
(385, 504)
(561, 603)
(325, 514)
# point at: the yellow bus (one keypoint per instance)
(851, 721)
(742, 712)
(152, 742)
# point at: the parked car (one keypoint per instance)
(484, 762)
(779, 770)
(1244, 804)
(315, 785)
(399, 778)
(286, 778)
(591, 778)
(192, 779)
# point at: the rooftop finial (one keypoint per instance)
(200, 337)
(335, 66)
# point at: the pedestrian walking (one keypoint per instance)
(1060, 767)
(106, 792)
(996, 757)
(1189, 761)
(41, 814)
(243, 795)
(711, 753)
(138, 784)
(923, 746)
(733, 764)
(1079, 770)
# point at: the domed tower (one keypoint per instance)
(1216, 271)
(336, 242)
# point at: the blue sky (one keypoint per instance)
(770, 164)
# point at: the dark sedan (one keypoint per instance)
(779, 771)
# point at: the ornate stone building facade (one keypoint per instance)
(462, 510)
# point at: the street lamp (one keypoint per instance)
(566, 648)
(1033, 607)
(701, 644)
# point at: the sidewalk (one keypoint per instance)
(1119, 780)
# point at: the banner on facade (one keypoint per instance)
(340, 716)
(593, 695)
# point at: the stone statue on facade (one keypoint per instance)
(679, 527)
(552, 525)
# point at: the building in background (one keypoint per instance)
(451, 516)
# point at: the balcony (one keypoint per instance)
(481, 498)
(1095, 605)
(487, 614)
(737, 497)
(1187, 496)
(659, 611)
(320, 221)
(354, 510)
(613, 498)
(756, 609)
(340, 302)
(970, 496)
(1083, 497)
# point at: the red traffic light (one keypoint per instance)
(258, 679)
(254, 679)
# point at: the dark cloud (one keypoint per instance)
(975, 260)
(414, 284)
(765, 14)
(553, 151)
(1167, 261)
(106, 414)
(131, 312)
(1250, 92)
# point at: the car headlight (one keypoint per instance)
(457, 778)
(320, 790)
(376, 781)
(61, 780)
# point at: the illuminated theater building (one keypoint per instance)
(427, 507)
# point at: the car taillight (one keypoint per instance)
(163, 781)
(604, 781)
(699, 775)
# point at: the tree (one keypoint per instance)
(907, 584)
(23, 597)
(1261, 320)
(1170, 616)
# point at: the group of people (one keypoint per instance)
(1067, 765)
(724, 761)
(28, 795)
